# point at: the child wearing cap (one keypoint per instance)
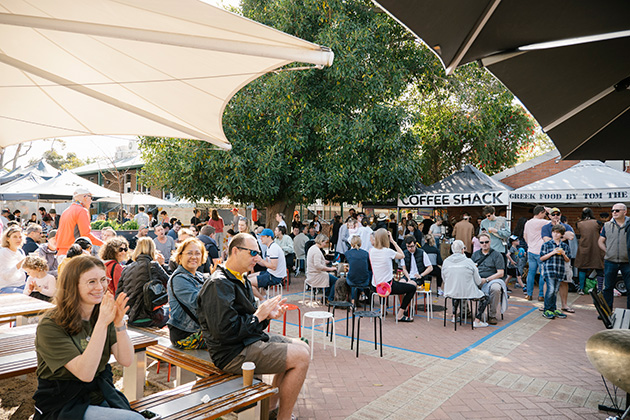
(512, 264)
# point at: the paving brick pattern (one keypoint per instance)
(525, 367)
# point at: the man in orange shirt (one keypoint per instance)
(75, 222)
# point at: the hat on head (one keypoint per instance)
(381, 217)
(81, 191)
(234, 209)
(513, 238)
(6, 211)
(554, 210)
(267, 232)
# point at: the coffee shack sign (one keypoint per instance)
(493, 198)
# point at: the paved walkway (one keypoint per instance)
(527, 367)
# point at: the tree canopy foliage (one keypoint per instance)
(58, 161)
(381, 118)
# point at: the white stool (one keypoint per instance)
(274, 290)
(428, 299)
(383, 301)
(313, 315)
(313, 289)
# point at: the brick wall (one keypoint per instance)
(538, 172)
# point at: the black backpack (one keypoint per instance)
(154, 293)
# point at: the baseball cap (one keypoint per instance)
(513, 238)
(267, 232)
(81, 191)
(555, 210)
(6, 211)
(234, 209)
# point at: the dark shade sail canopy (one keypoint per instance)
(567, 62)
(467, 180)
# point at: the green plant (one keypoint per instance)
(130, 225)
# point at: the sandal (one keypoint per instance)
(569, 310)
(405, 319)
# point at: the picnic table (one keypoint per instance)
(18, 306)
(18, 357)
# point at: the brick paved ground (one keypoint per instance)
(525, 367)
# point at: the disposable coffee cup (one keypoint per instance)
(248, 373)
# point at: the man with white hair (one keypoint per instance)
(614, 241)
(462, 280)
(33, 238)
(75, 222)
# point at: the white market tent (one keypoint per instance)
(589, 181)
(15, 187)
(135, 199)
(41, 168)
(131, 67)
(60, 188)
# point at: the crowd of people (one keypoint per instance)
(184, 278)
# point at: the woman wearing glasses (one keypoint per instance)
(183, 288)
(113, 253)
(143, 269)
(74, 342)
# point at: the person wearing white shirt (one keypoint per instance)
(12, 277)
(381, 256)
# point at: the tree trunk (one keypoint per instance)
(280, 207)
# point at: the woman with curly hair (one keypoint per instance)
(74, 342)
(12, 277)
(113, 253)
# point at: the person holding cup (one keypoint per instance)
(234, 327)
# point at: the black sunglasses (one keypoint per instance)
(484, 242)
(123, 249)
(616, 210)
(555, 214)
(252, 252)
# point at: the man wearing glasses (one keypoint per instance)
(569, 234)
(75, 222)
(234, 328)
(613, 240)
(416, 264)
(491, 265)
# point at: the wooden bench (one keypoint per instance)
(189, 366)
(226, 394)
(18, 357)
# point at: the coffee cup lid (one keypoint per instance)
(248, 366)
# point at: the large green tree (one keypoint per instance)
(297, 136)
(467, 118)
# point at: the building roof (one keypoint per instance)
(108, 164)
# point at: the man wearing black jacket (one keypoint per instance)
(234, 329)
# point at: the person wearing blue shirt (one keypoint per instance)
(359, 270)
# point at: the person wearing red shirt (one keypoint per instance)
(75, 222)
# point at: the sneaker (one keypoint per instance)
(455, 320)
(528, 297)
(558, 313)
(541, 299)
(440, 292)
(480, 324)
(548, 315)
(492, 321)
(580, 292)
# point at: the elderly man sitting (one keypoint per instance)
(462, 280)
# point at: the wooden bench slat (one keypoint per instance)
(179, 358)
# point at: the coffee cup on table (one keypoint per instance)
(248, 373)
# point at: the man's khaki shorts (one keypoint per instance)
(268, 356)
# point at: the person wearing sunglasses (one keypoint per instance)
(75, 218)
(234, 327)
(143, 269)
(613, 240)
(114, 253)
(491, 265)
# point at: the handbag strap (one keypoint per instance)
(184, 307)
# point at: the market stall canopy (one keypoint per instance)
(42, 169)
(467, 187)
(589, 181)
(59, 188)
(131, 67)
(136, 199)
(20, 184)
(563, 60)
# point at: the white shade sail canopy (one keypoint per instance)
(131, 67)
(136, 199)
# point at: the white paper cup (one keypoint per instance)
(248, 373)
